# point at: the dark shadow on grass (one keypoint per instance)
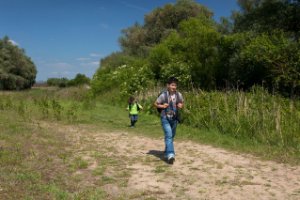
(158, 154)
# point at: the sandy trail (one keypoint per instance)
(200, 171)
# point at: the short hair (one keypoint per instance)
(172, 80)
(131, 100)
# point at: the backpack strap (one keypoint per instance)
(129, 106)
(177, 98)
(137, 106)
(166, 100)
(166, 97)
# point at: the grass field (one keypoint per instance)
(38, 157)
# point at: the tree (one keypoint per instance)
(58, 82)
(158, 24)
(269, 59)
(259, 45)
(17, 71)
(133, 40)
(267, 15)
(114, 60)
(80, 79)
(192, 50)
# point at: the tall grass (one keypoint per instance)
(60, 105)
(257, 115)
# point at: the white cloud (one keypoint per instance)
(94, 63)
(59, 65)
(136, 7)
(60, 74)
(83, 59)
(96, 55)
(14, 42)
(66, 72)
(104, 26)
(90, 64)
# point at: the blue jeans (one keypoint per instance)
(133, 119)
(169, 127)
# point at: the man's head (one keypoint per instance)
(172, 84)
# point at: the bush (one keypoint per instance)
(272, 60)
(130, 78)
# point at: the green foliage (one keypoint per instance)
(200, 39)
(271, 58)
(161, 21)
(182, 40)
(137, 78)
(80, 79)
(191, 53)
(102, 81)
(225, 26)
(114, 60)
(180, 70)
(46, 106)
(266, 15)
(58, 82)
(17, 71)
(159, 56)
(258, 46)
(257, 115)
(133, 40)
(130, 78)
(158, 24)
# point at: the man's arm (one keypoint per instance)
(162, 106)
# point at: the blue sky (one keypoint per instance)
(66, 37)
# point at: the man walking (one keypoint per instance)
(168, 103)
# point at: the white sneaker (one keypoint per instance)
(171, 159)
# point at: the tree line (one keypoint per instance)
(79, 79)
(257, 45)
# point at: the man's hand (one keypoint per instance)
(180, 105)
(164, 106)
(161, 106)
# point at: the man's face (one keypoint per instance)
(172, 87)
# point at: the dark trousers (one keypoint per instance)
(133, 119)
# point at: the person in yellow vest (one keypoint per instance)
(134, 108)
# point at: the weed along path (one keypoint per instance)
(130, 166)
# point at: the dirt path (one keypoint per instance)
(135, 169)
